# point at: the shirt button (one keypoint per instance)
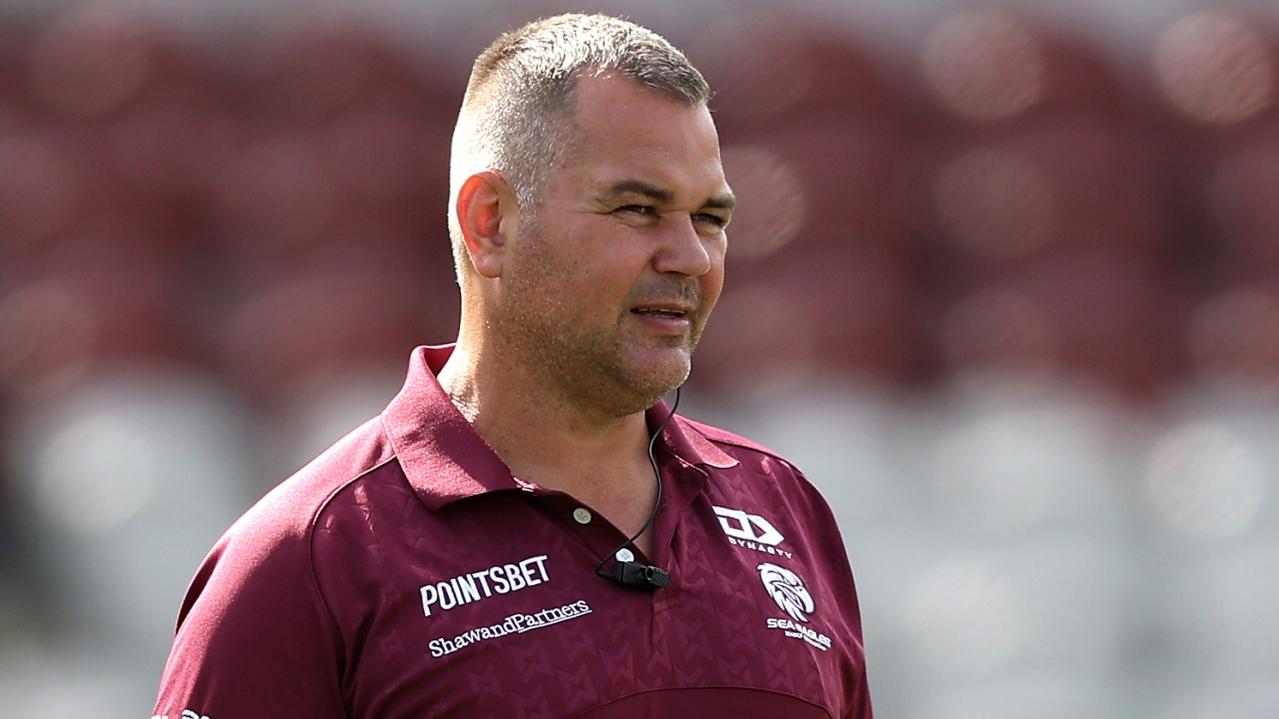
(582, 515)
(625, 555)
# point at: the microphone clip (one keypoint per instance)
(637, 575)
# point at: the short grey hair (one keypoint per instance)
(516, 117)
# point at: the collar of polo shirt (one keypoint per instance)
(446, 460)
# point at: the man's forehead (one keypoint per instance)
(618, 110)
(660, 175)
(628, 137)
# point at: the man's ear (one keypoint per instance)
(488, 213)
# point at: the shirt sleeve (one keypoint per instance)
(830, 541)
(860, 707)
(254, 636)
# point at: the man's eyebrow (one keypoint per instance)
(638, 187)
(726, 201)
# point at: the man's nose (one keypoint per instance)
(683, 250)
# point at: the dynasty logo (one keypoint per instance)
(751, 531)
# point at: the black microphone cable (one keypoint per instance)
(633, 573)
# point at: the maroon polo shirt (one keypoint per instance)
(406, 573)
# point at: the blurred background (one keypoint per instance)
(1004, 281)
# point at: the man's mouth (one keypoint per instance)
(666, 318)
(659, 312)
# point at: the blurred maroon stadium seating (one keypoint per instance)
(771, 67)
(1014, 268)
(994, 67)
(1001, 166)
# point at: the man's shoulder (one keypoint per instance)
(733, 444)
(268, 551)
(293, 506)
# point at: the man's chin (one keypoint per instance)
(656, 373)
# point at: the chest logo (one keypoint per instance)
(751, 531)
(518, 623)
(788, 590)
(475, 586)
(748, 527)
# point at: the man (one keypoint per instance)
(527, 530)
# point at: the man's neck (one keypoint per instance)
(548, 438)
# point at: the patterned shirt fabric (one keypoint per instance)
(405, 573)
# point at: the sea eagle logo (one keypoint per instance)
(788, 590)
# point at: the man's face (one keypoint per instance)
(612, 278)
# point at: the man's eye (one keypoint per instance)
(637, 209)
(708, 218)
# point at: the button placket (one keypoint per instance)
(591, 528)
